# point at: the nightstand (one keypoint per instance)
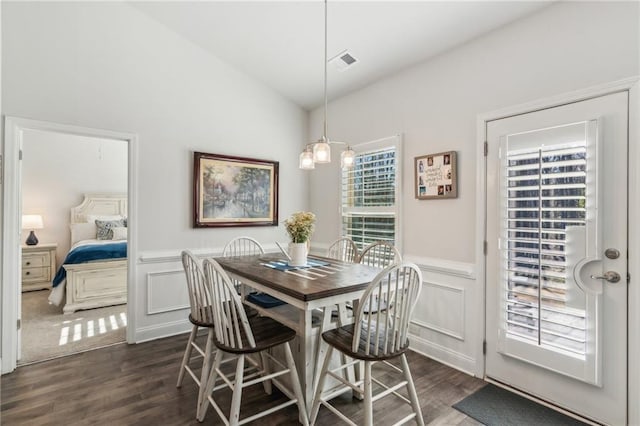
(38, 266)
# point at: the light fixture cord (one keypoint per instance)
(325, 72)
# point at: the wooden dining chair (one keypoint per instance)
(200, 316)
(380, 254)
(372, 338)
(343, 249)
(238, 337)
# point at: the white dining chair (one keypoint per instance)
(343, 249)
(346, 250)
(380, 254)
(237, 337)
(373, 338)
(242, 246)
(200, 316)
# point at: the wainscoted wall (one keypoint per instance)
(444, 326)
(162, 299)
(445, 323)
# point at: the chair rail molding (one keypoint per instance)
(165, 256)
(443, 266)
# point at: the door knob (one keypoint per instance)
(611, 276)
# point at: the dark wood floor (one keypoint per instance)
(135, 384)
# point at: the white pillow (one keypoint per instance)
(83, 231)
(119, 233)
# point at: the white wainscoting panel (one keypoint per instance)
(446, 324)
(162, 301)
(442, 309)
(166, 291)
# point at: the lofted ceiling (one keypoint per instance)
(281, 43)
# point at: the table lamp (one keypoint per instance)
(31, 222)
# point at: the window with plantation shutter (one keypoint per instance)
(545, 206)
(370, 194)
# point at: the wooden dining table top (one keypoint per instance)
(305, 284)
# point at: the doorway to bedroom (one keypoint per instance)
(75, 188)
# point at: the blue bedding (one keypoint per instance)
(88, 253)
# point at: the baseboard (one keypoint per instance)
(145, 334)
(444, 355)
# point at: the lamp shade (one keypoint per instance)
(306, 159)
(347, 158)
(32, 221)
(321, 152)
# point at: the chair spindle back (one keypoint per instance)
(398, 288)
(230, 319)
(343, 249)
(380, 254)
(242, 246)
(199, 293)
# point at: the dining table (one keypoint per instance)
(314, 299)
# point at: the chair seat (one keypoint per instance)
(199, 323)
(342, 337)
(267, 333)
(249, 311)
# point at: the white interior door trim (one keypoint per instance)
(632, 85)
(14, 129)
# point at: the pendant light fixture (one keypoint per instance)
(320, 151)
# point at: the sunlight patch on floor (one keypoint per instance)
(90, 328)
(64, 335)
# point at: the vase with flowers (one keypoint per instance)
(299, 227)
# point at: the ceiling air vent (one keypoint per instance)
(343, 60)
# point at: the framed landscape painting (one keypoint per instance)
(436, 176)
(234, 191)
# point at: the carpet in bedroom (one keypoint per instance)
(48, 333)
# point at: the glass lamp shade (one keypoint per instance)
(321, 152)
(347, 158)
(306, 160)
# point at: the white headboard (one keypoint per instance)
(104, 204)
(99, 204)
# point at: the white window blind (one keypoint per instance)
(370, 194)
(545, 199)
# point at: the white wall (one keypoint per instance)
(564, 47)
(58, 169)
(106, 65)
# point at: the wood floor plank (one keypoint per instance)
(135, 385)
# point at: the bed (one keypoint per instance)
(94, 273)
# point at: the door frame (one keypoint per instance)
(632, 86)
(14, 128)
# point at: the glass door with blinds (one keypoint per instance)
(556, 264)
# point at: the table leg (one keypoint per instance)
(306, 357)
(321, 346)
(349, 374)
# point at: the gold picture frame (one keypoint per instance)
(234, 191)
(436, 176)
